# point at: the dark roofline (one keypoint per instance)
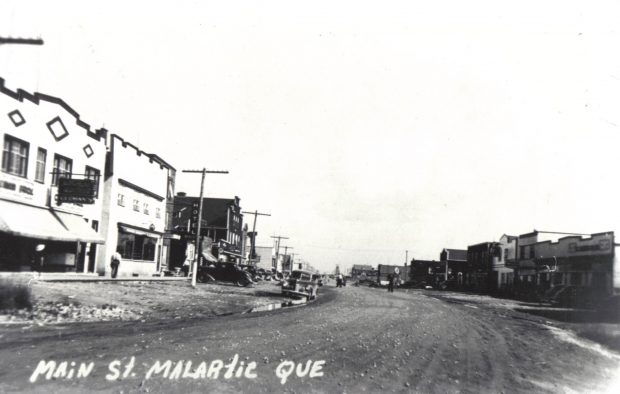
(21, 95)
(484, 243)
(577, 237)
(152, 157)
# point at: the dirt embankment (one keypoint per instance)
(62, 302)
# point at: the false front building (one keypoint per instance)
(45, 144)
(221, 229)
(136, 190)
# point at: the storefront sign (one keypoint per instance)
(193, 223)
(80, 191)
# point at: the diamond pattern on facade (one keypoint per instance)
(17, 118)
(88, 150)
(57, 128)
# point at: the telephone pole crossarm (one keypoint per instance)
(21, 41)
(253, 239)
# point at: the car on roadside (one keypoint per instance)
(575, 297)
(552, 292)
(318, 278)
(224, 272)
(300, 283)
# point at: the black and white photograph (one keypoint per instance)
(282, 196)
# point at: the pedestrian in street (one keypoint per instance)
(116, 261)
(390, 283)
(339, 280)
(38, 258)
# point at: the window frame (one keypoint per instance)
(8, 161)
(120, 199)
(96, 175)
(56, 174)
(37, 169)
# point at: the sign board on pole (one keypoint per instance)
(193, 225)
(81, 191)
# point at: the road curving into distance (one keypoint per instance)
(354, 339)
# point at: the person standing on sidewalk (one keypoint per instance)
(116, 261)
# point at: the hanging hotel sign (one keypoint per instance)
(193, 225)
(80, 191)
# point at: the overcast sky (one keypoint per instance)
(364, 128)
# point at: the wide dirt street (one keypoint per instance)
(369, 340)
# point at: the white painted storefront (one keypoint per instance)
(134, 211)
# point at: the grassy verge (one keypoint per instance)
(14, 295)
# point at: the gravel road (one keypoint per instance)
(369, 340)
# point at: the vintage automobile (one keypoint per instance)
(224, 272)
(300, 284)
(318, 278)
(575, 297)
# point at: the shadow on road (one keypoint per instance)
(571, 315)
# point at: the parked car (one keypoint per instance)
(300, 284)
(225, 272)
(552, 292)
(575, 297)
(318, 278)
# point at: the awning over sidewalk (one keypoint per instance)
(44, 223)
(126, 228)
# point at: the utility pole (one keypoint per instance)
(406, 257)
(293, 257)
(253, 239)
(21, 41)
(204, 171)
(286, 248)
(278, 237)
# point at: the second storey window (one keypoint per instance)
(15, 156)
(145, 208)
(136, 205)
(93, 173)
(39, 174)
(62, 167)
(120, 199)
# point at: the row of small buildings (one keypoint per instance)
(535, 260)
(130, 206)
(516, 263)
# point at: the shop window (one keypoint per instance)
(137, 247)
(15, 156)
(575, 278)
(39, 174)
(94, 174)
(557, 278)
(62, 167)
